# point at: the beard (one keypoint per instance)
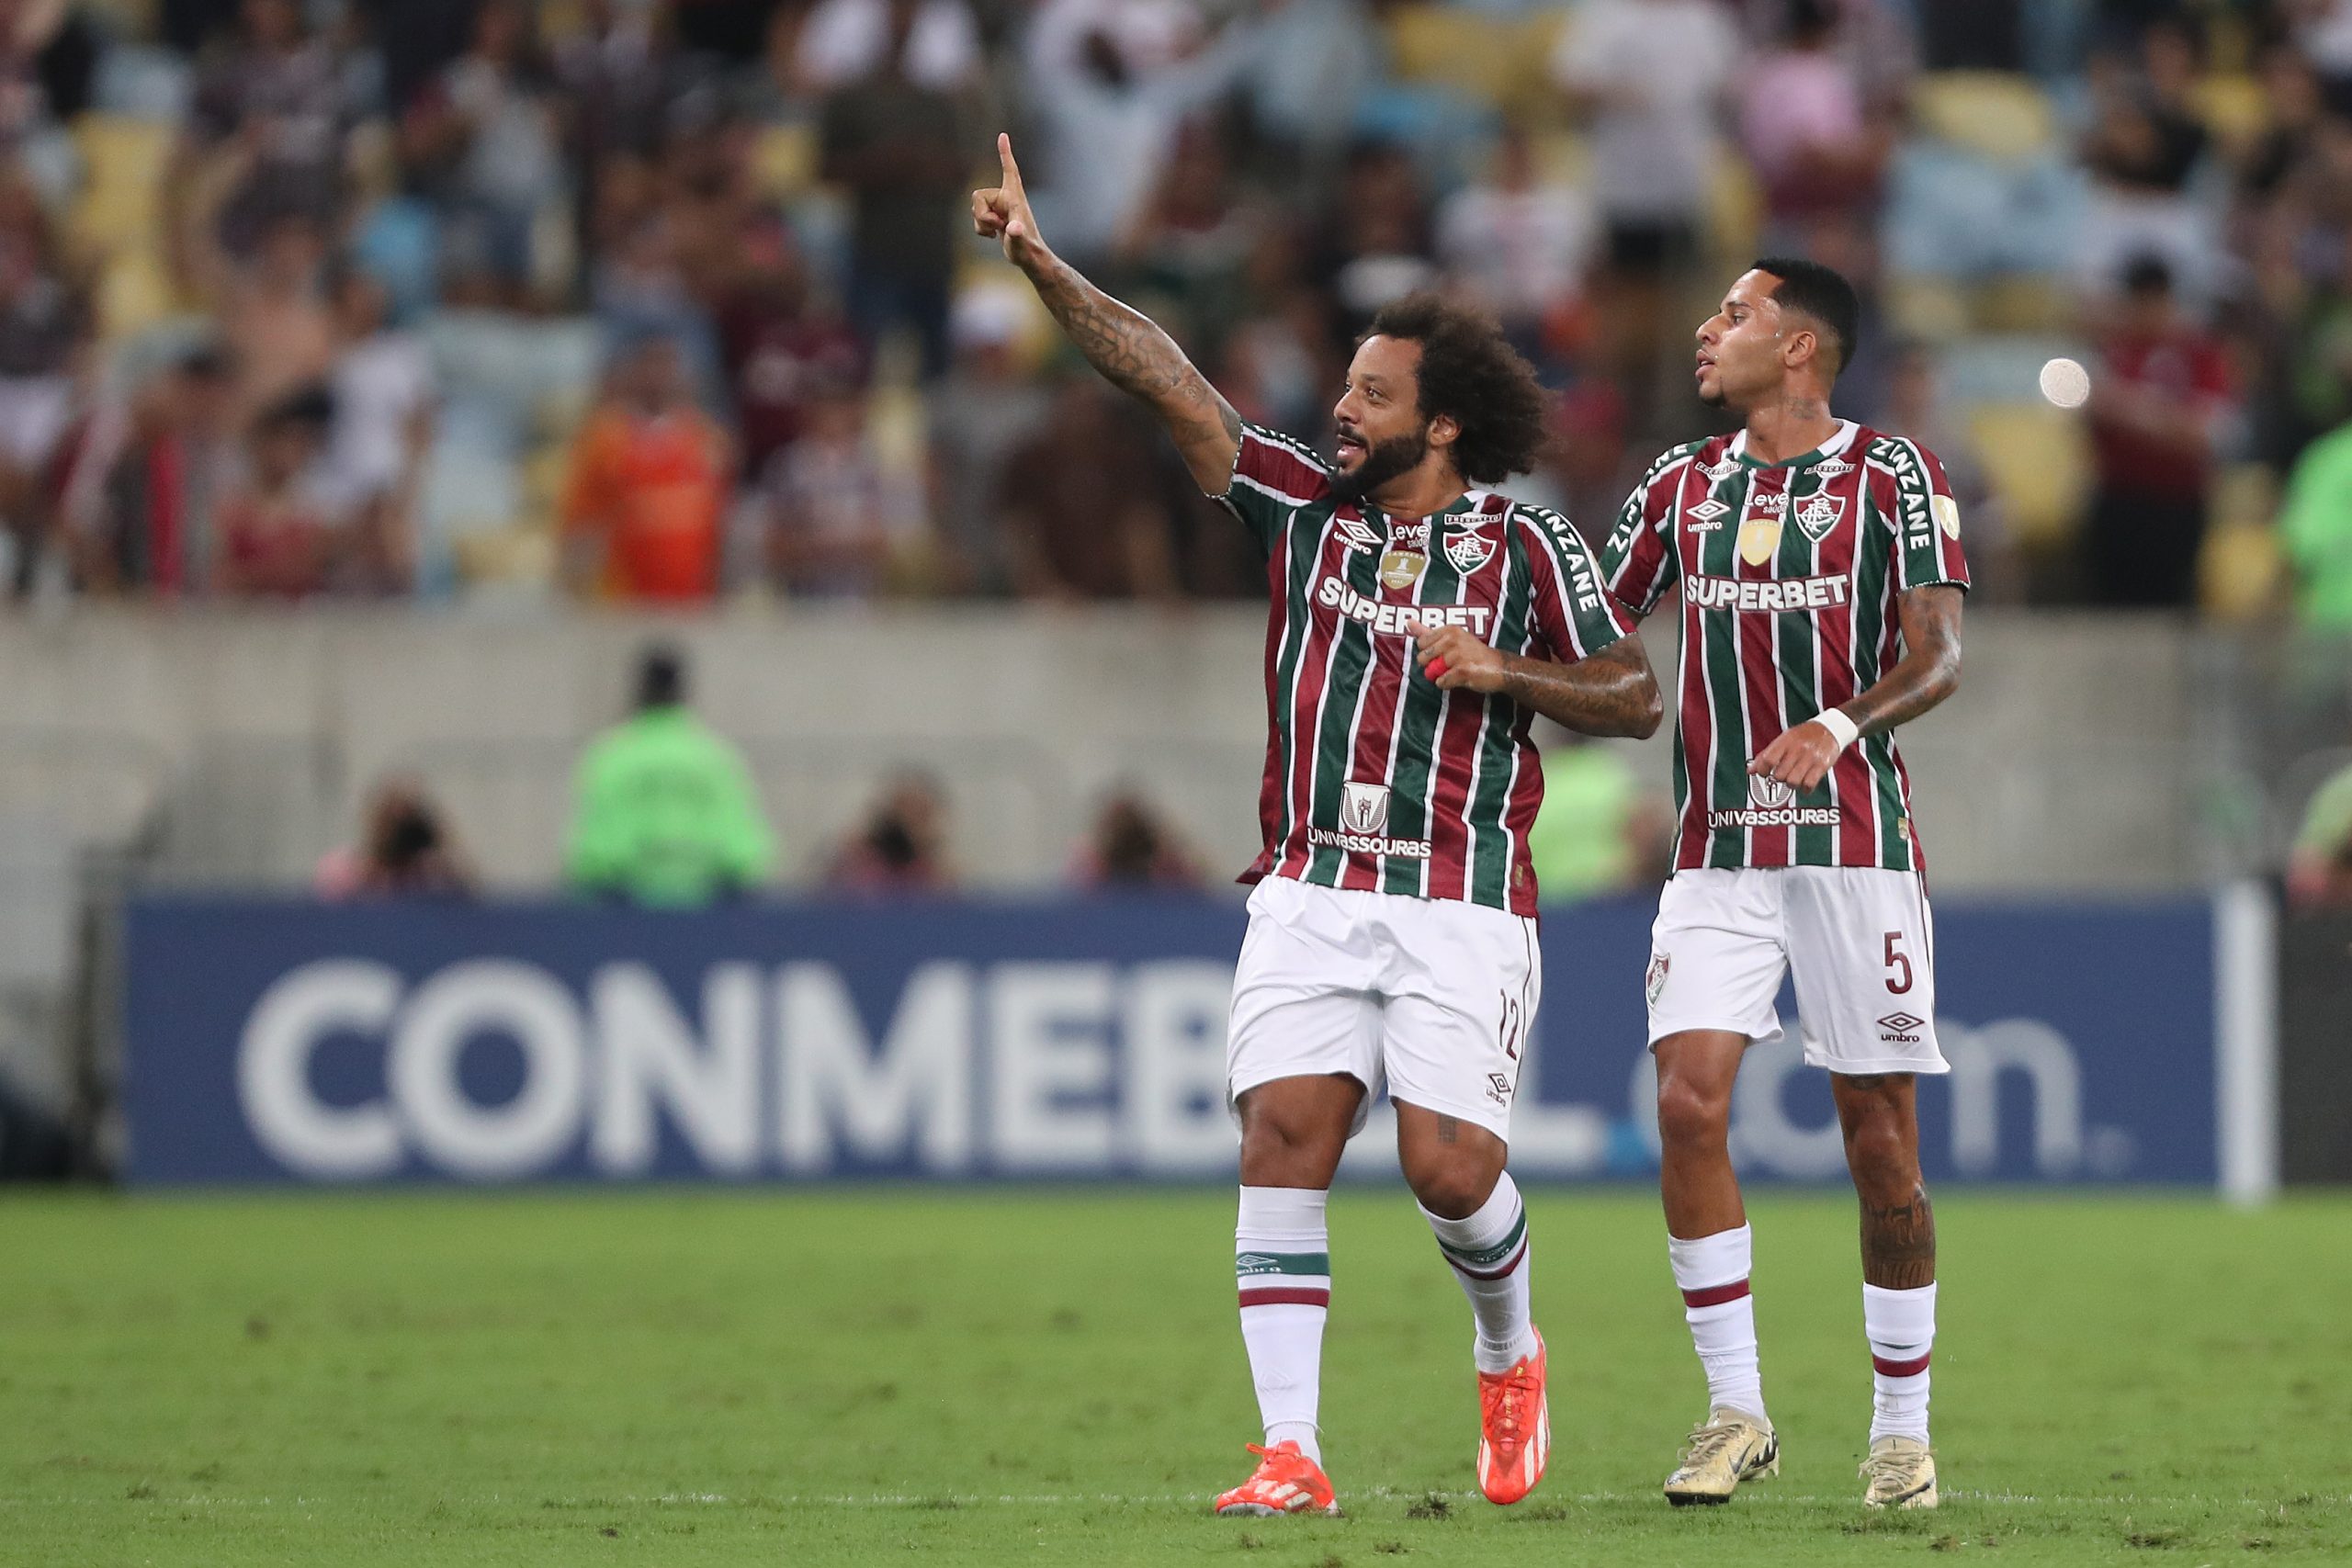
(1383, 461)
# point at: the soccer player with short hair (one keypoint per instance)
(1822, 580)
(1418, 621)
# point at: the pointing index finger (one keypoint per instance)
(1005, 157)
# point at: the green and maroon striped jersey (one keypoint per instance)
(1374, 778)
(1789, 573)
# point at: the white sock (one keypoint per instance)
(1711, 1273)
(1282, 1264)
(1488, 1252)
(1901, 1327)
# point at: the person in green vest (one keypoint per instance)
(2319, 867)
(2316, 532)
(1597, 833)
(664, 812)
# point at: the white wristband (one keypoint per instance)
(1835, 721)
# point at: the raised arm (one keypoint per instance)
(1927, 673)
(1131, 353)
(1613, 692)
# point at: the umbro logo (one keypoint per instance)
(1901, 1028)
(1706, 516)
(1357, 533)
(1833, 467)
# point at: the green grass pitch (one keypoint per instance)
(1041, 1377)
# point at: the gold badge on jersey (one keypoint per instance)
(1760, 537)
(1946, 514)
(1399, 570)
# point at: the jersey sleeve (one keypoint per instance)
(1638, 563)
(1273, 475)
(1572, 617)
(1926, 520)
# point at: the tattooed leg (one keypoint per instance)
(1878, 1114)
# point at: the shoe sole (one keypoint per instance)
(1923, 1498)
(1716, 1499)
(1266, 1511)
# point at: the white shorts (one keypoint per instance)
(1858, 940)
(1434, 995)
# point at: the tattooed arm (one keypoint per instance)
(1122, 343)
(1609, 693)
(1927, 673)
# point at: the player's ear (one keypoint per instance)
(1444, 430)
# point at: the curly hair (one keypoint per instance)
(1470, 371)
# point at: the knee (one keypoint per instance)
(1690, 1116)
(1453, 1189)
(1884, 1164)
(1286, 1146)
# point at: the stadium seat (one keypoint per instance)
(1991, 113)
(1497, 60)
(1735, 206)
(784, 161)
(2233, 107)
(1934, 310)
(2038, 462)
(2241, 568)
(122, 162)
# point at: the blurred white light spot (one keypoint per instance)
(2065, 383)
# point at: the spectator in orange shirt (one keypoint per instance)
(648, 488)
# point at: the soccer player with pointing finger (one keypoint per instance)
(1418, 621)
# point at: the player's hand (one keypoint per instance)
(1799, 758)
(1453, 658)
(1002, 212)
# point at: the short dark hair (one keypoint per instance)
(660, 677)
(1470, 371)
(1824, 294)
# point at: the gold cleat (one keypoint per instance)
(1902, 1474)
(1729, 1447)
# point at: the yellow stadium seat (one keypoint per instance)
(1933, 310)
(1992, 112)
(784, 161)
(2239, 572)
(134, 293)
(123, 162)
(2025, 303)
(2038, 461)
(1493, 59)
(1734, 208)
(2233, 108)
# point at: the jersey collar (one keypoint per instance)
(1839, 439)
(1470, 502)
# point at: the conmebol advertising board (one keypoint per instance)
(282, 1041)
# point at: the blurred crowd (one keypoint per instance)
(666, 813)
(677, 300)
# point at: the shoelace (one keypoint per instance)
(1512, 1408)
(1894, 1465)
(1705, 1442)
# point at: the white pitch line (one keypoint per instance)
(945, 1500)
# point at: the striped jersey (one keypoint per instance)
(1374, 778)
(1789, 573)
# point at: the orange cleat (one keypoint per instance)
(1515, 1429)
(1287, 1482)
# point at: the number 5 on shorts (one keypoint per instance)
(1897, 959)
